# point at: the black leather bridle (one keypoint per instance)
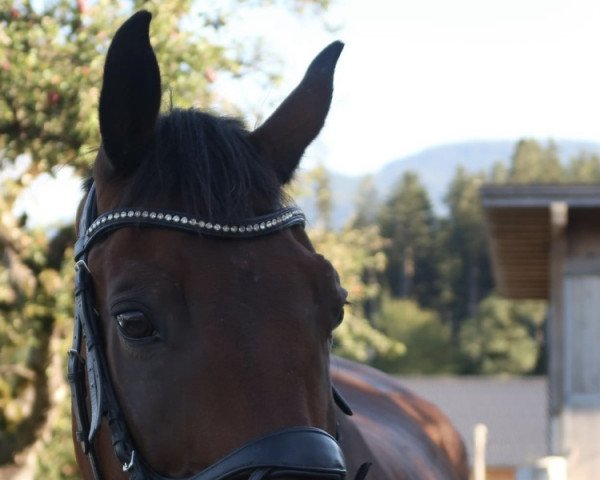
(300, 452)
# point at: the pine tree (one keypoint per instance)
(407, 221)
(365, 203)
(533, 163)
(466, 245)
(584, 168)
(356, 254)
(322, 196)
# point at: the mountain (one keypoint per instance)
(436, 167)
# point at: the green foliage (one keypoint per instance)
(365, 204)
(322, 195)
(504, 336)
(584, 168)
(531, 162)
(499, 173)
(29, 286)
(51, 57)
(429, 348)
(465, 268)
(54, 448)
(357, 256)
(407, 221)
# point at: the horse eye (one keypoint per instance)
(135, 325)
(340, 318)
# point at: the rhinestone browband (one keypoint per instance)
(132, 217)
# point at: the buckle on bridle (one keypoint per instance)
(81, 264)
(127, 466)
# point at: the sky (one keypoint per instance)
(420, 73)
(416, 74)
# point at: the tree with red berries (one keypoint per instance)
(51, 58)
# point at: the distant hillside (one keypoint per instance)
(435, 166)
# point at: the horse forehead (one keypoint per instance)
(182, 254)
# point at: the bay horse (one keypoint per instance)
(203, 314)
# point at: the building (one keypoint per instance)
(512, 408)
(545, 244)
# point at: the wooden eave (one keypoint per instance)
(519, 226)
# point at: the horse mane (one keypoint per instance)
(206, 164)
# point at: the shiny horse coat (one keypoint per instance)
(204, 315)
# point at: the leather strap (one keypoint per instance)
(363, 471)
(301, 452)
(138, 217)
(341, 402)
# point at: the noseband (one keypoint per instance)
(300, 452)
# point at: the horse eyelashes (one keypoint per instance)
(135, 325)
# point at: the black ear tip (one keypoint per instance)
(131, 92)
(337, 46)
(137, 24)
(142, 16)
(327, 59)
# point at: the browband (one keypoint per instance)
(140, 217)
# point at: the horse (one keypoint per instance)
(204, 315)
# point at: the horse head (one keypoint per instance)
(204, 314)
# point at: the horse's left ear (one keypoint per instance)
(131, 91)
(285, 135)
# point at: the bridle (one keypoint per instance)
(301, 452)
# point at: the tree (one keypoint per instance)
(365, 203)
(499, 172)
(351, 252)
(356, 254)
(51, 57)
(467, 270)
(407, 221)
(584, 168)
(322, 196)
(532, 162)
(504, 336)
(429, 348)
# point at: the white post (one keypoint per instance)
(556, 467)
(480, 439)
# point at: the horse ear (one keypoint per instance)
(130, 96)
(285, 135)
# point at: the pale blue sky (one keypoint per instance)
(417, 73)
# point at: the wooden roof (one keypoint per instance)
(519, 223)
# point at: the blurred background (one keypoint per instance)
(455, 187)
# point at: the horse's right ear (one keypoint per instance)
(130, 97)
(284, 136)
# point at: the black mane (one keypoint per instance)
(205, 165)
